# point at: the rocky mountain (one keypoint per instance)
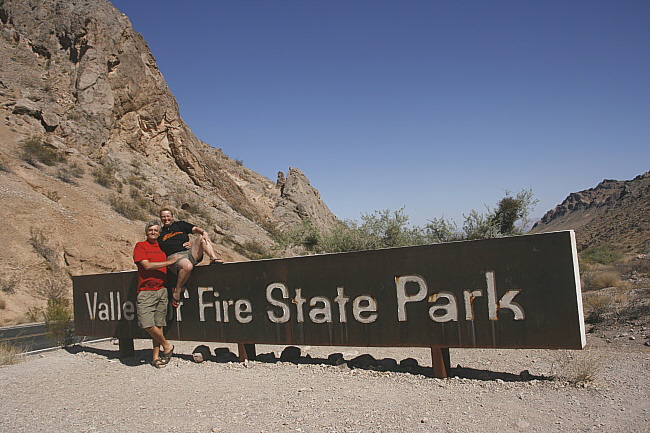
(615, 212)
(92, 145)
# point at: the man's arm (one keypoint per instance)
(203, 233)
(150, 266)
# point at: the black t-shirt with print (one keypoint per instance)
(172, 238)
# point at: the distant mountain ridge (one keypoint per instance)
(615, 212)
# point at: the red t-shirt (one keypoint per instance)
(153, 279)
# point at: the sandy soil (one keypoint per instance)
(88, 389)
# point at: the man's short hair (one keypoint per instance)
(166, 209)
(151, 224)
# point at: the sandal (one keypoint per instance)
(166, 357)
(158, 363)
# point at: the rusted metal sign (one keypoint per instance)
(516, 292)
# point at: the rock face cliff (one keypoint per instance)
(77, 82)
(614, 212)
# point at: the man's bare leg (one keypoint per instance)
(201, 246)
(159, 341)
(184, 270)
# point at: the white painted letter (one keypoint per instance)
(320, 315)
(450, 308)
(341, 299)
(129, 310)
(469, 302)
(285, 308)
(504, 302)
(243, 307)
(403, 298)
(92, 310)
(358, 311)
(299, 301)
(204, 305)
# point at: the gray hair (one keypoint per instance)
(151, 224)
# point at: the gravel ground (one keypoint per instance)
(88, 389)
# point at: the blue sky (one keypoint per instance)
(435, 106)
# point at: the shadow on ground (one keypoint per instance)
(293, 355)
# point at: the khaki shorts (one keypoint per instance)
(187, 254)
(152, 308)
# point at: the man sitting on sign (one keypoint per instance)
(152, 299)
(174, 239)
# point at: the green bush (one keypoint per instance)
(57, 320)
(605, 254)
(387, 229)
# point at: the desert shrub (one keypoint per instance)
(52, 288)
(128, 208)
(578, 367)
(57, 320)
(53, 195)
(597, 306)
(57, 313)
(595, 280)
(4, 167)
(440, 230)
(640, 266)
(136, 182)
(71, 173)
(105, 174)
(142, 202)
(34, 314)
(8, 284)
(192, 209)
(41, 246)
(9, 354)
(386, 229)
(255, 250)
(34, 150)
(605, 254)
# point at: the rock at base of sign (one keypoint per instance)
(409, 362)
(290, 354)
(266, 357)
(223, 354)
(363, 361)
(336, 359)
(388, 364)
(201, 353)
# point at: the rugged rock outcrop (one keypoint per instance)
(76, 79)
(615, 212)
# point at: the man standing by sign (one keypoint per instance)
(152, 294)
(174, 239)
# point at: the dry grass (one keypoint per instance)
(597, 306)
(578, 367)
(597, 279)
(34, 314)
(8, 284)
(9, 354)
(41, 246)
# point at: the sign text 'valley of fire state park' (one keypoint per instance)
(515, 292)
